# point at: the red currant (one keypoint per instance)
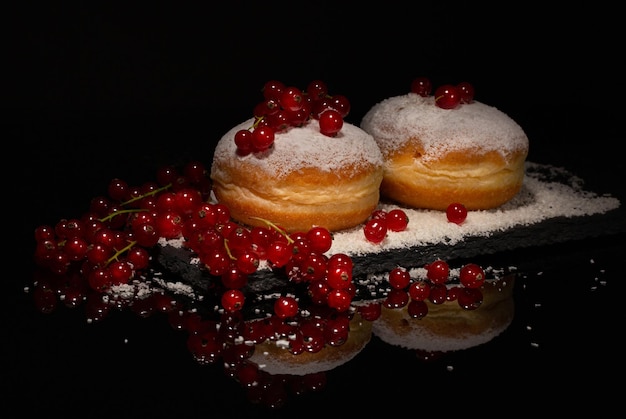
(422, 86)
(466, 91)
(320, 239)
(375, 230)
(233, 300)
(397, 220)
(438, 271)
(419, 290)
(330, 122)
(472, 275)
(456, 213)
(286, 307)
(447, 96)
(399, 278)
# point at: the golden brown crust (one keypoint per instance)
(478, 181)
(448, 326)
(300, 201)
(276, 359)
(306, 179)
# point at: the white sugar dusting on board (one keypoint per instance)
(305, 147)
(548, 192)
(474, 126)
(541, 198)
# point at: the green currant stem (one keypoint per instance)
(154, 192)
(126, 211)
(230, 255)
(275, 227)
(119, 252)
(257, 121)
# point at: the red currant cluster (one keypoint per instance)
(381, 222)
(111, 243)
(413, 293)
(284, 107)
(447, 96)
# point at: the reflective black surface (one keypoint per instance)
(98, 94)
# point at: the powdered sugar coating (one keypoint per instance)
(474, 126)
(305, 147)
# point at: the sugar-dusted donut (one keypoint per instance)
(305, 179)
(473, 154)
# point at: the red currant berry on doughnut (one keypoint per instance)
(330, 122)
(316, 89)
(456, 213)
(291, 99)
(472, 275)
(262, 138)
(341, 104)
(422, 86)
(466, 92)
(447, 96)
(273, 89)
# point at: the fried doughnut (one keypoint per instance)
(305, 179)
(473, 154)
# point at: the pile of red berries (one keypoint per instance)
(447, 96)
(285, 106)
(112, 243)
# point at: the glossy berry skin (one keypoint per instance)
(233, 300)
(472, 275)
(456, 213)
(330, 122)
(321, 239)
(438, 271)
(397, 220)
(285, 307)
(447, 96)
(419, 290)
(399, 278)
(375, 230)
(422, 86)
(466, 91)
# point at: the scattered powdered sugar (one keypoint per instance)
(474, 126)
(305, 147)
(548, 192)
(541, 198)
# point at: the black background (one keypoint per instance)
(107, 89)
